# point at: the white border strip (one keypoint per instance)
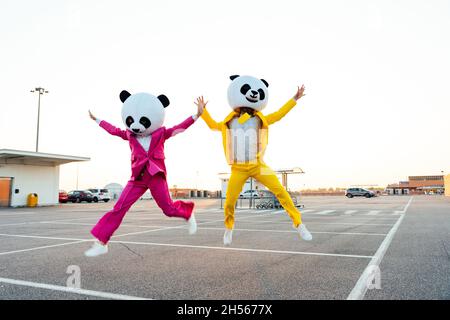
(53, 287)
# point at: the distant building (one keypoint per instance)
(192, 193)
(418, 185)
(25, 172)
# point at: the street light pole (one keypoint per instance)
(40, 92)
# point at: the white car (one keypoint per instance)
(250, 194)
(100, 195)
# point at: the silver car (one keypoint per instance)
(359, 192)
(100, 195)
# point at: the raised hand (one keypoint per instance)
(92, 116)
(201, 104)
(299, 93)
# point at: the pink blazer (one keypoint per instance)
(153, 160)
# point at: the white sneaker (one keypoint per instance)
(304, 233)
(228, 237)
(192, 225)
(96, 250)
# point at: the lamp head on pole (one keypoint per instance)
(40, 90)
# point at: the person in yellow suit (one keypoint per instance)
(245, 136)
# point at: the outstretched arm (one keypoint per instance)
(211, 123)
(186, 123)
(109, 127)
(277, 115)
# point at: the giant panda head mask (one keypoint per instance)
(247, 91)
(143, 113)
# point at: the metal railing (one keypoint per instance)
(265, 202)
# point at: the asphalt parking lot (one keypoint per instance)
(399, 245)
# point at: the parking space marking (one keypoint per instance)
(40, 248)
(182, 226)
(293, 231)
(13, 224)
(75, 240)
(160, 228)
(325, 212)
(324, 223)
(16, 214)
(79, 291)
(245, 249)
(407, 205)
(41, 237)
(350, 211)
(373, 212)
(360, 289)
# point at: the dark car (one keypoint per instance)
(359, 192)
(80, 195)
(63, 197)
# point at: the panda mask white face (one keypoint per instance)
(143, 113)
(248, 91)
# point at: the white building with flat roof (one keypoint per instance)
(25, 172)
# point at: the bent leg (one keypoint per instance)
(160, 192)
(109, 223)
(235, 184)
(267, 177)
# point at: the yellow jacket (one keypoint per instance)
(265, 120)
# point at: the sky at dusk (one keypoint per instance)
(377, 104)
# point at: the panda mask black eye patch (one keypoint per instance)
(129, 121)
(245, 88)
(262, 95)
(145, 122)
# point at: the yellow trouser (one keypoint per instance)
(261, 172)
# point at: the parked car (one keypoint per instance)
(359, 192)
(80, 195)
(249, 194)
(63, 197)
(100, 195)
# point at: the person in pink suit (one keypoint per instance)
(143, 115)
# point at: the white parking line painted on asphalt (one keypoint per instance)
(293, 231)
(245, 249)
(41, 237)
(319, 222)
(323, 212)
(373, 212)
(40, 248)
(14, 224)
(407, 205)
(194, 246)
(270, 213)
(182, 226)
(360, 289)
(16, 214)
(306, 211)
(236, 229)
(350, 211)
(90, 224)
(79, 291)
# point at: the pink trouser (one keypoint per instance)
(157, 184)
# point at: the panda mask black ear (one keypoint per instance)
(164, 100)
(234, 77)
(265, 82)
(124, 95)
